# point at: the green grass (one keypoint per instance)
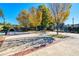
(58, 36)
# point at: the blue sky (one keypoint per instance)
(74, 12)
(11, 11)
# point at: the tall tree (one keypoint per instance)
(60, 12)
(23, 18)
(46, 16)
(4, 27)
(36, 17)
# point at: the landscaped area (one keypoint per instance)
(38, 30)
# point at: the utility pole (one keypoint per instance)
(73, 21)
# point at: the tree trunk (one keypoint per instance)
(57, 29)
(36, 28)
(4, 24)
(44, 31)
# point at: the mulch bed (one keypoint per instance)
(27, 51)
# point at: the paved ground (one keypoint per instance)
(16, 43)
(67, 46)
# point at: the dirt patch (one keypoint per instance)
(1, 40)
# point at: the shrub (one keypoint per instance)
(58, 36)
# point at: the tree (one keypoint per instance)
(36, 17)
(46, 16)
(2, 15)
(60, 12)
(24, 18)
(4, 27)
(30, 19)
